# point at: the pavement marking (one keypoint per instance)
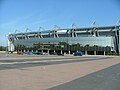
(34, 61)
(43, 61)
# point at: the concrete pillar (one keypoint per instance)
(104, 52)
(10, 45)
(119, 41)
(61, 51)
(94, 52)
(48, 51)
(69, 52)
(85, 52)
(42, 51)
(54, 51)
(24, 51)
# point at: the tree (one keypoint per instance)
(3, 48)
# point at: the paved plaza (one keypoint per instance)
(42, 72)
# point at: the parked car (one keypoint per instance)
(59, 53)
(78, 53)
(14, 52)
(37, 53)
(53, 53)
(20, 53)
(45, 53)
(29, 53)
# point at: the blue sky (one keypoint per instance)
(32, 14)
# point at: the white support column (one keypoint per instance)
(61, 51)
(85, 52)
(69, 52)
(48, 51)
(24, 50)
(94, 52)
(10, 46)
(104, 53)
(119, 41)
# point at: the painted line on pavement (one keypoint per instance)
(34, 62)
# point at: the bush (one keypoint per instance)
(113, 54)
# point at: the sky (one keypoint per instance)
(32, 14)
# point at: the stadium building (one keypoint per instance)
(89, 40)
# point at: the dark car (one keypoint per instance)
(37, 53)
(59, 53)
(77, 54)
(53, 53)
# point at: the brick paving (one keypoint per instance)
(44, 77)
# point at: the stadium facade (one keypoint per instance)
(100, 36)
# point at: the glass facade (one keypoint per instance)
(91, 41)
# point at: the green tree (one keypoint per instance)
(3, 48)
